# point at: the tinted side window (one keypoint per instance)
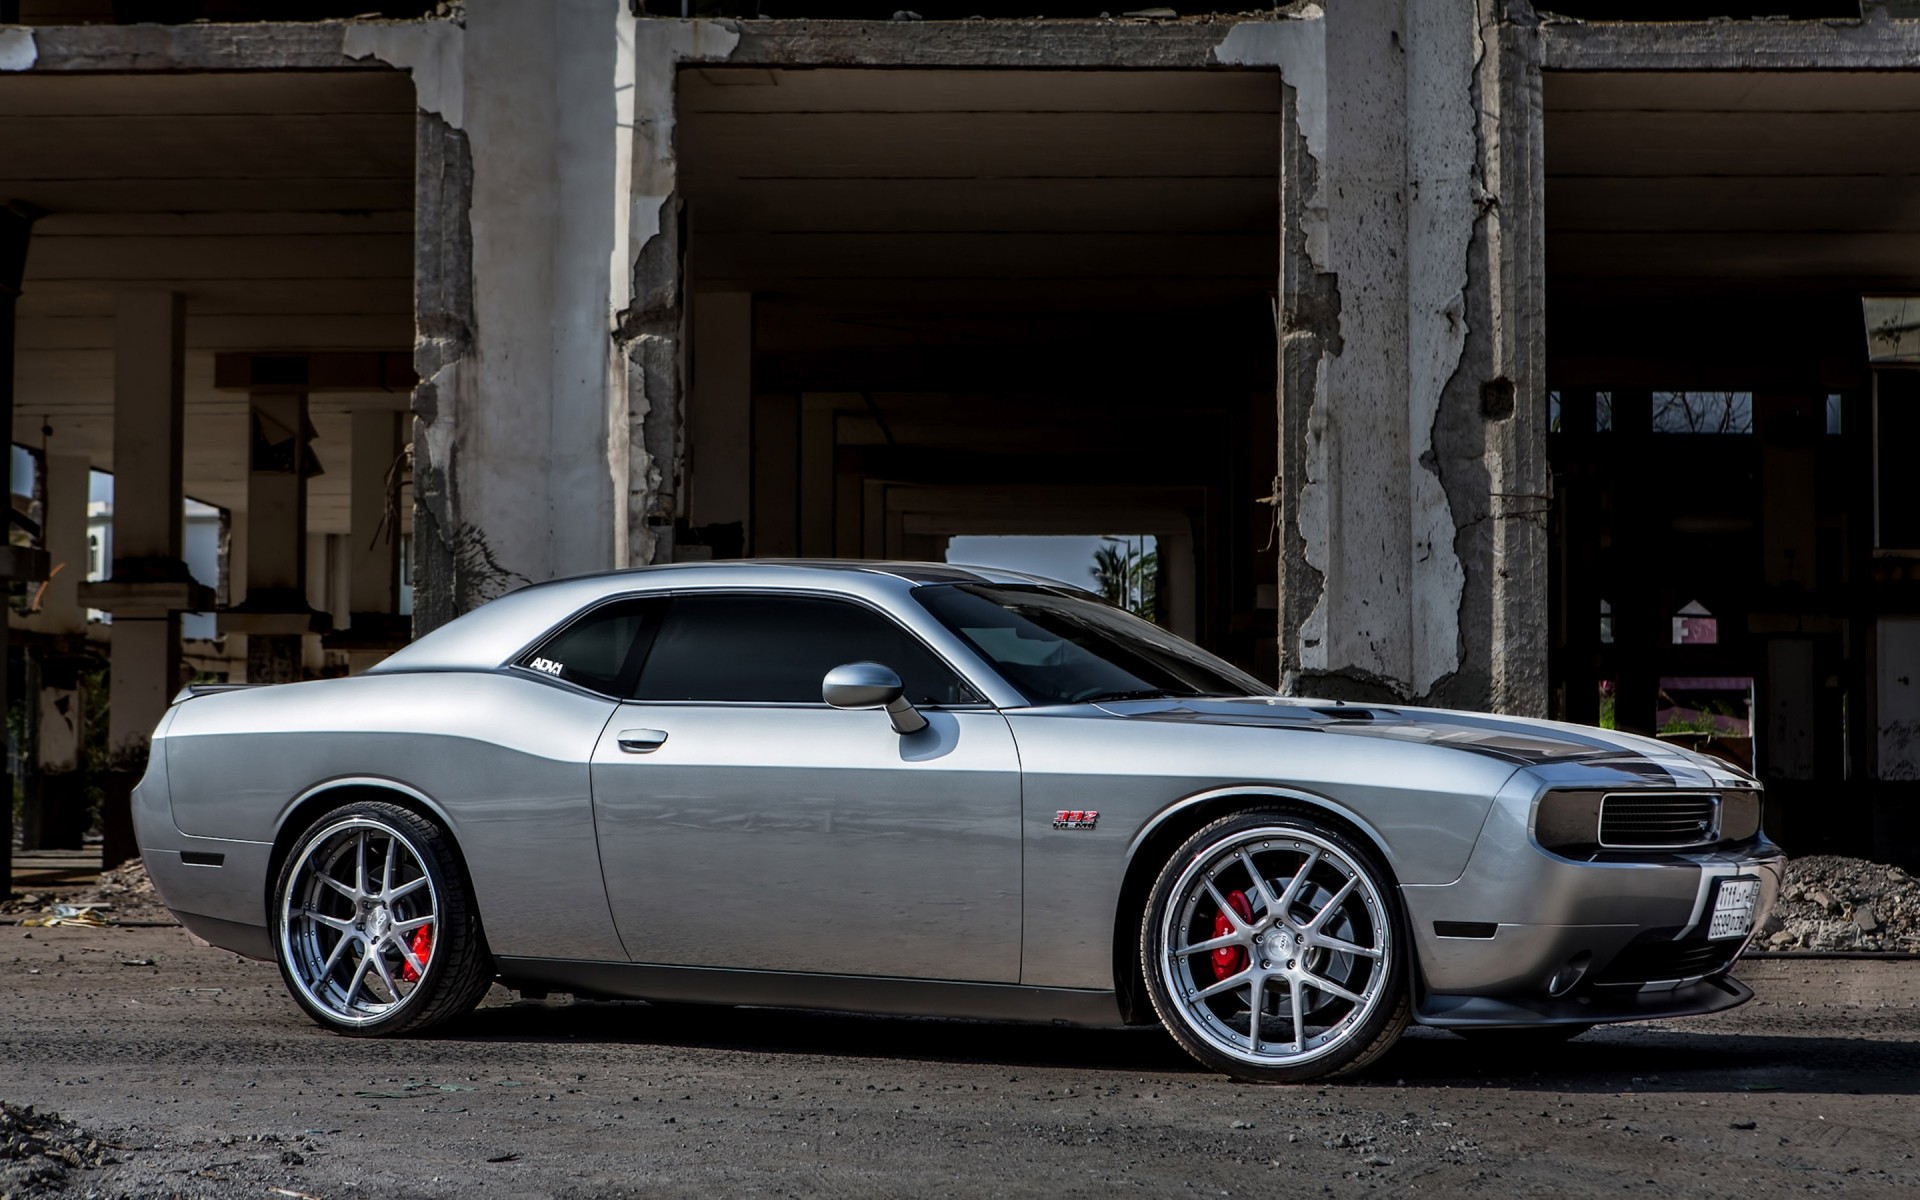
(775, 649)
(600, 650)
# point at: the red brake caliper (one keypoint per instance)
(422, 947)
(1230, 960)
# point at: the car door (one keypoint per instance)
(744, 823)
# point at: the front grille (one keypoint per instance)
(1642, 820)
(1658, 961)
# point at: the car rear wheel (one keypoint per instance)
(1272, 949)
(374, 927)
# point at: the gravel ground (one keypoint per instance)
(201, 1079)
(39, 1152)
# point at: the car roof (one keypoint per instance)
(912, 572)
(496, 631)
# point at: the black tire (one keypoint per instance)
(1357, 1034)
(427, 888)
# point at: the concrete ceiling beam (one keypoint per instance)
(1875, 44)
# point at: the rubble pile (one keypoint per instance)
(129, 893)
(1833, 903)
(118, 896)
(39, 1150)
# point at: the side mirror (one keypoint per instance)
(872, 685)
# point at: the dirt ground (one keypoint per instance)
(206, 1081)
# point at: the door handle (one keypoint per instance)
(641, 741)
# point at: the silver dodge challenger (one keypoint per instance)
(928, 789)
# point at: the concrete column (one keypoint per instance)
(1412, 456)
(67, 487)
(373, 560)
(1368, 631)
(149, 354)
(56, 808)
(277, 535)
(521, 195)
(375, 629)
(16, 226)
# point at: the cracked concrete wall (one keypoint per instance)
(519, 187)
(1403, 417)
(650, 333)
(550, 423)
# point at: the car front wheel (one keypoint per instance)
(1272, 949)
(374, 927)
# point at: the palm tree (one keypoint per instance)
(1127, 576)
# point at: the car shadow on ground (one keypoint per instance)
(1638, 1058)
(1605, 1061)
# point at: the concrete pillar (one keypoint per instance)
(523, 275)
(149, 354)
(1412, 457)
(56, 807)
(1368, 629)
(16, 226)
(278, 615)
(67, 486)
(375, 628)
(373, 560)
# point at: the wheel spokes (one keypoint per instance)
(1340, 945)
(339, 923)
(339, 947)
(386, 975)
(1322, 983)
(1218, 943)
(406, 952)
(1271, 901)
(1227, 984)
(1315, 903)
(359, 974)
(1240, 925)
(337, 961)
(1299, 877)
(1339, 898)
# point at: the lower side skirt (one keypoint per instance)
(248, 941)
(839, 993)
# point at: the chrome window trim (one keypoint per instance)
(514, 666)
(1711, 837)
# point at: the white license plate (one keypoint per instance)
(1733, 909)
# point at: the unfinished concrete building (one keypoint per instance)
(1452, 352)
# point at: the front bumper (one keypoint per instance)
(1525, 937)
(1487, 1012)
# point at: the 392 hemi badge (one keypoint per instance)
(1075, 819)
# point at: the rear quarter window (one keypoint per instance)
(599, 650)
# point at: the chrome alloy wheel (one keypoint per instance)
(1277, 946)
(359, 921)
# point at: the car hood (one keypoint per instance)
(1550, 747)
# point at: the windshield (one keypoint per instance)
(1059, 648)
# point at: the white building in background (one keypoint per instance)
(203, 523)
